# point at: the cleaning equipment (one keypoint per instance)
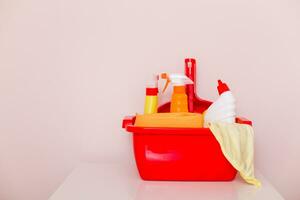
(172, 153)
(176, 120)
(179, 101)
(222, 110)
(237, 141)
(151, 100)
(189, 71)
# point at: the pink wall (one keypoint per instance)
(70, 70)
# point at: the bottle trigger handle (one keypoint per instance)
(165, 76)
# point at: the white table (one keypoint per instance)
(121, 182)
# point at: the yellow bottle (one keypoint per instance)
(151, 100)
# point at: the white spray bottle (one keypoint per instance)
(179, 101)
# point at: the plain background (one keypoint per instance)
(70, 70)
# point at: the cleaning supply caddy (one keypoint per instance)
(180, 153)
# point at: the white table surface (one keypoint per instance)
(121, 182)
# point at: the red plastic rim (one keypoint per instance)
(168, 131)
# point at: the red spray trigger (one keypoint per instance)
(222, 87)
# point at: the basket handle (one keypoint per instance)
(128, 120)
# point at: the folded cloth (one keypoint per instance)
(236, 141)
(175, 120)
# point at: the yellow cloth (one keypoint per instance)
(178, 120)
(236, 141)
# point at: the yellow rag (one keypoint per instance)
(236, 141)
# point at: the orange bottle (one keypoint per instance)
(179, 101)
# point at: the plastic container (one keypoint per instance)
(151, 100)
(179, 100)
(223, 109)
(180, 154)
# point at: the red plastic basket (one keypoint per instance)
(189, 154)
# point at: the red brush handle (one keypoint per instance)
(190, 71)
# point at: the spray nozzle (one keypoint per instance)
(176, 80)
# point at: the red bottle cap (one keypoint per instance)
(151, 91)
(222, 87)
